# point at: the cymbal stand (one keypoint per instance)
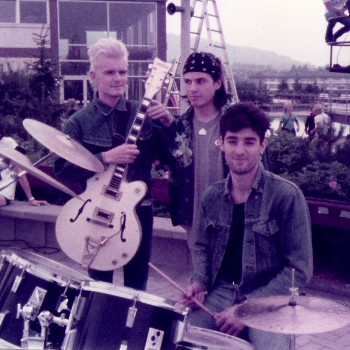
(294, 292)
(20, 174)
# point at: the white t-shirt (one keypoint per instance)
(5, 172)
(322, 123)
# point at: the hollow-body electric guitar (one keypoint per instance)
(100, 229)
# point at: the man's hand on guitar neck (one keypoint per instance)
(123, 154)
(157, 111)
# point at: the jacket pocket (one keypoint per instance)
(267, 244)
(266, 227)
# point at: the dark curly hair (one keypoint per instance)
(244, 115)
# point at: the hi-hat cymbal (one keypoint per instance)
(309, 315)
(24, 163)
(63, 145)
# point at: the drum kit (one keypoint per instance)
(47, 305)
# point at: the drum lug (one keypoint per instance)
(31, 309)
(17, 282)
(131, 314)
(2, 316)
(179, 331)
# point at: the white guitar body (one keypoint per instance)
(90, 230)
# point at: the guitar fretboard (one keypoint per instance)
(131, 139)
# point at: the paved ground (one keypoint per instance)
(159, 286)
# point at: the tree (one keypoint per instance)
(283, 85)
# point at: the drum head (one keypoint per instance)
(44, 267)
(213, 340)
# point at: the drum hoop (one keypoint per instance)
(202, 334)
(130, 294)
(34, 269)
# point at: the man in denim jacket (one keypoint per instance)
(254, 229)
(102, 127)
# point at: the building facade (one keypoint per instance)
(72, 26)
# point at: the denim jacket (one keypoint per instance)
(277, 236)
(93, 127)
(181, 180)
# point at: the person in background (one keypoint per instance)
(322, 124)
(102, 128)
(254, 230)
(310, 124)
(193, 139)
(9, 170)
(288, 120)
(336, 13)
(72, 107)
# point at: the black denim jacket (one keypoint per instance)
(93, 127)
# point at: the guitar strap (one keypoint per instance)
(119, 128)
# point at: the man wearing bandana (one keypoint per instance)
(196, 159)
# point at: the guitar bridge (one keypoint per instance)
(111, 192)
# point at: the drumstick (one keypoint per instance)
(178, 287)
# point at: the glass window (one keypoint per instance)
(80, 22)
(73, 89)
(33, 11)
(8, 11)
(134, 24)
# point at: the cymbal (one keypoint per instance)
(24, 163)
(63, 145)
(309, 315)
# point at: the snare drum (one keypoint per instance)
(111, 317)
(195, 338)
(30, 278)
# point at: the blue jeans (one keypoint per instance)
(223, 296)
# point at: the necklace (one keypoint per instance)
(202, 132)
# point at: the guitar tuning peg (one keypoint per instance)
(166, 81)
(150, 66)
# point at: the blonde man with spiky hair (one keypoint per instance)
(102, 128)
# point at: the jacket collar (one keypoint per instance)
(105, 109)
(257, 184)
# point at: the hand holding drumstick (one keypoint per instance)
(194, 296)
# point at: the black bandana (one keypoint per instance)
(203, 62)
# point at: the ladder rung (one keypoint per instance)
(199, 17)
(196, 33)
(218, 46)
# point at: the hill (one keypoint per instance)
(241, 55)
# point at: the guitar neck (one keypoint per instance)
(134, 133)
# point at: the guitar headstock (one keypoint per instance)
(156, 77)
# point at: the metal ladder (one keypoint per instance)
(207, 11)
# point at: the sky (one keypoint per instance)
(295, 28)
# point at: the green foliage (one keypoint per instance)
(321, 170)
(287, 153)
(30, 93)
(248, 91)
(324, 180)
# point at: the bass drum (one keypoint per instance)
(111, 317)
(195, 338)
(28, 278)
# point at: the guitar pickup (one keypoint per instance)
(111, 192)
(103, 215)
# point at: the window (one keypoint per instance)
(8, 11)
(23, 11)
(32, 11)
